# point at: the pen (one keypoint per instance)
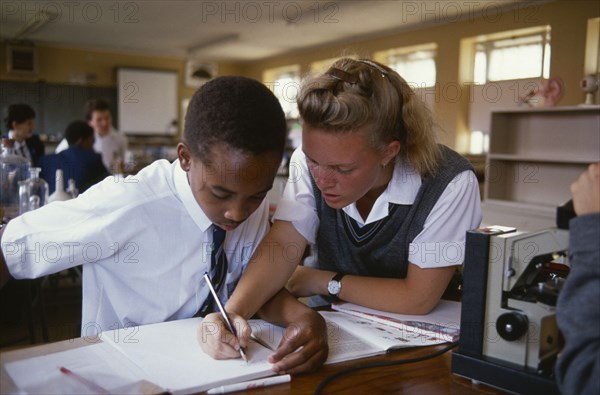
(261, 341)
(251, 384)
(224, 313)
(89, 384)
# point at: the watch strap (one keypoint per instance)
(338, 277)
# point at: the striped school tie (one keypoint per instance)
(21, 151)
(218, 269)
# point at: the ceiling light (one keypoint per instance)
(213, 41)
(39, 19)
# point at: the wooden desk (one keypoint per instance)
(428, 377)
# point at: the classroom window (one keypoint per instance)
(415, 64)
(285, 84)
(592, 47)
(515, 56)
(321, 66)
(480, 142)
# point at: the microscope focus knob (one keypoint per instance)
(511, 326)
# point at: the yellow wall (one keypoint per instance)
(58, 64)
(568, 21)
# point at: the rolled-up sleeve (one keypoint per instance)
(297, 204)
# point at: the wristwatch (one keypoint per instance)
(335, 286)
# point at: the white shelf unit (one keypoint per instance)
(534, 156)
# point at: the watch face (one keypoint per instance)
(334, 287)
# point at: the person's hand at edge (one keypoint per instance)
(586, 191)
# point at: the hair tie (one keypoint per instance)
(342, 75)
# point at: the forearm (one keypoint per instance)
(263, 278)
(283, 309)
(418, 293)
(269, 269)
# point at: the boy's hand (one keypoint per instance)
(216, 340)
(303, 347)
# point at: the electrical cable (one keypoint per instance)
(327, 380)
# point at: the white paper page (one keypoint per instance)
(443, 321)
(381, 336)
(345, 346)
(98, 363)
(171, 356)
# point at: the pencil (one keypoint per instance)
(248, 385)
(89, 384)
(224, 314)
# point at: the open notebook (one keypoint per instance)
(442, 323)
(168, 355)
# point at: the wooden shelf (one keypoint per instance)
(535, 155)
(531, 158)
(535, 110)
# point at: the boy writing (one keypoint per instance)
(146, 241)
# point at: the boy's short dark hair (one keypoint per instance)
(238, 111)
(18, 113)
(78, 130)
(95, 105)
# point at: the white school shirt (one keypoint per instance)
(107, 146)
(63, 145)
(112, 147)
(20, 148)
(144, 243)
(440, 243)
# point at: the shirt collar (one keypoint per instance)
(184, 191)
(110, 133)
(19, 146)
(402, 189)
(11, 135)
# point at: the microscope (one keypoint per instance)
(509, 338)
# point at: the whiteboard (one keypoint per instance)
(147, 101)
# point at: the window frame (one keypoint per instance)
(484, 47)
(290, 73)
(407, 52)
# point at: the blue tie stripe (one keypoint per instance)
(218, 270)
(218, 260)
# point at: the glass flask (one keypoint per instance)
(13, 169)
(33, 192)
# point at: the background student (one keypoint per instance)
(20, 124)
(78, 162)
(384, 207)
(111, 144)
(146, 241)
(578, 311)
